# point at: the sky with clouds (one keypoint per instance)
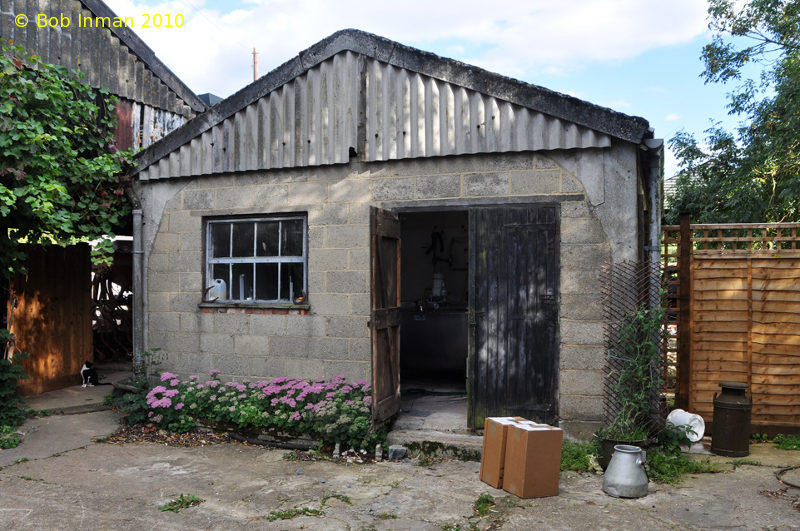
(639, 57)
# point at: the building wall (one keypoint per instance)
(596, 189)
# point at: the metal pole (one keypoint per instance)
(138, 296)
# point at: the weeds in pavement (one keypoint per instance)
(293, 513)
(577, 455)
(181, 502)
(8, 437)
(341, 497)
(387, 516)
(483, 504)
(425, 460)
(788, 442)
(670, 467)
(21, 460)
(741, 462)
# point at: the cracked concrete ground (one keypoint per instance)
(121, 486)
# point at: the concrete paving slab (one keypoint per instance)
(77, 399)
(107, 486)
(46, 436)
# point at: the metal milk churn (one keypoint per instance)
(625, 476)
(731, 429)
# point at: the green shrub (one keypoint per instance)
(12, 404)
(788, 442)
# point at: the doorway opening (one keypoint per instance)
(433, 318)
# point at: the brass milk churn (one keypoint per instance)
(625, 476)
(731, 429)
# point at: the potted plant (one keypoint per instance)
(634, 379)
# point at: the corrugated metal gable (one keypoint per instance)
(313, 120)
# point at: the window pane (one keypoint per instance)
(267, 282)
(242, 288)
(292, 238)
(220, 239)
(291, 281)
(267, 239)
(221, 291)
(243, 239)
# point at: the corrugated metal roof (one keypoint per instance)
(385, 100)
(312, 120)
(413, 115)
(112, 58)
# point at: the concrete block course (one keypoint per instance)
(582, 357)
(438, 186)
(306, 325)
(267, 325)
(330, 304)
(305, 193)
(198, 199)
(216, 343)
(581, 332)
(346, 236)
(485, 184)
(585, 407)
(346, 281)
(389, 189)
(535, 182)
(347, 327)
(165, 322)
(350, 190)
(232, 323)
(573, 381)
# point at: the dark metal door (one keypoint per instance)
(513, 348)
(385, 315)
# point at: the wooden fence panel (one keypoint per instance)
(53, 318)
(736, 306)
(746, 328)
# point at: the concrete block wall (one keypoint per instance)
(332, 337)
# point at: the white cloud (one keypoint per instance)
(672, 117)
(212, 51)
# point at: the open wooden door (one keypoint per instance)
(385, 314)
(513, 314)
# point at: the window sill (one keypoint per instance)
(253, 307)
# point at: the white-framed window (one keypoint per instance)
(257, 259)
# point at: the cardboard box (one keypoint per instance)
(493, 453)
(532, 459)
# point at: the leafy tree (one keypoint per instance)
(754, 174)
(60, 176)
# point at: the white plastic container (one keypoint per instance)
(679, 417)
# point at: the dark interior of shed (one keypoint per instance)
(434, 295)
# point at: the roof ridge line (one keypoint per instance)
(602, 119)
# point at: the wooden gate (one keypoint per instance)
(385, 314)
(740, 319)
(53, 317)
(513, 315)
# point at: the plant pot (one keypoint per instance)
(607, 449)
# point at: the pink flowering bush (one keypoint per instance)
(334, 411)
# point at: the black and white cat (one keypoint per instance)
(89, 376)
